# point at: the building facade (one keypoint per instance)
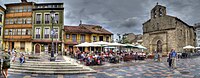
(42, 26)
(163, 32)
(131, 38)
(74, 35)
(2, 12)
(197, 31)
(18, 26)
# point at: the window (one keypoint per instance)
(23, 20)
(11, 21)
(20, 9)
(29, 8)
(74, 37)
(15, 20)
(160, 12)
(47, 18)
(6, 32)
(14, 31)
(94, 38)
(49, 6)
(23, 31)
(46, 33)
(55, 6)
(19, 21)
(19, 31)
(22, 45)
(37, 32)
(38, 18)
(7, 21)
(82, 37)
(12, 10)
(10, 32)
(67, 36)
(56, 32)
(1, 17)
(107, 39)
(100, 38)
(56, 18)
(28, 31)
(25, 9)
(16, 9)
(198, 32)
(28, 20)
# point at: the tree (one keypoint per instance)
(119, 38)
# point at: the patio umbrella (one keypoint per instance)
(128, 46)
(102, 43)
(141, 47)
(188, 47)
(86, 44)
(115, 45)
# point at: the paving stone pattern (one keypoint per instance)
(186, 68)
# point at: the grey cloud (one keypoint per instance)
(123, 16)
(130, 22)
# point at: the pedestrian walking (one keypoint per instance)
(22, 59)
(169, 59)
(156, 56)
(173, 56)
(14, 55)
(6, 64)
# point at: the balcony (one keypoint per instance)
(18, 26)
(17, 37)
(21, 14)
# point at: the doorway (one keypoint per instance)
(159, 46)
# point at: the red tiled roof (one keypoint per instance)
(84, 28)
(76, 29)
(93, 29)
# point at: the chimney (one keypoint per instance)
(23, 1)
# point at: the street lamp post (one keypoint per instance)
(9, 41)
(52, 35)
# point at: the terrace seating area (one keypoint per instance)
(100, 58)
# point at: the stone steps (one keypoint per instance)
(51, 72)
(43, 64)
(36, 67)
(52, 67)
(48, 69)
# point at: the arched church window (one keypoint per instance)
(160, 12)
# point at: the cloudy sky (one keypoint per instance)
(122, 16)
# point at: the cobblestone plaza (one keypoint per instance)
(186, 68)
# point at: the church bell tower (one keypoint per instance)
(158, 11)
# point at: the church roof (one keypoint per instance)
(176, 18)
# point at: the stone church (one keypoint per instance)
(163, 32)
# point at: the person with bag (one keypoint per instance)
(173, 57)
(6, 64)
